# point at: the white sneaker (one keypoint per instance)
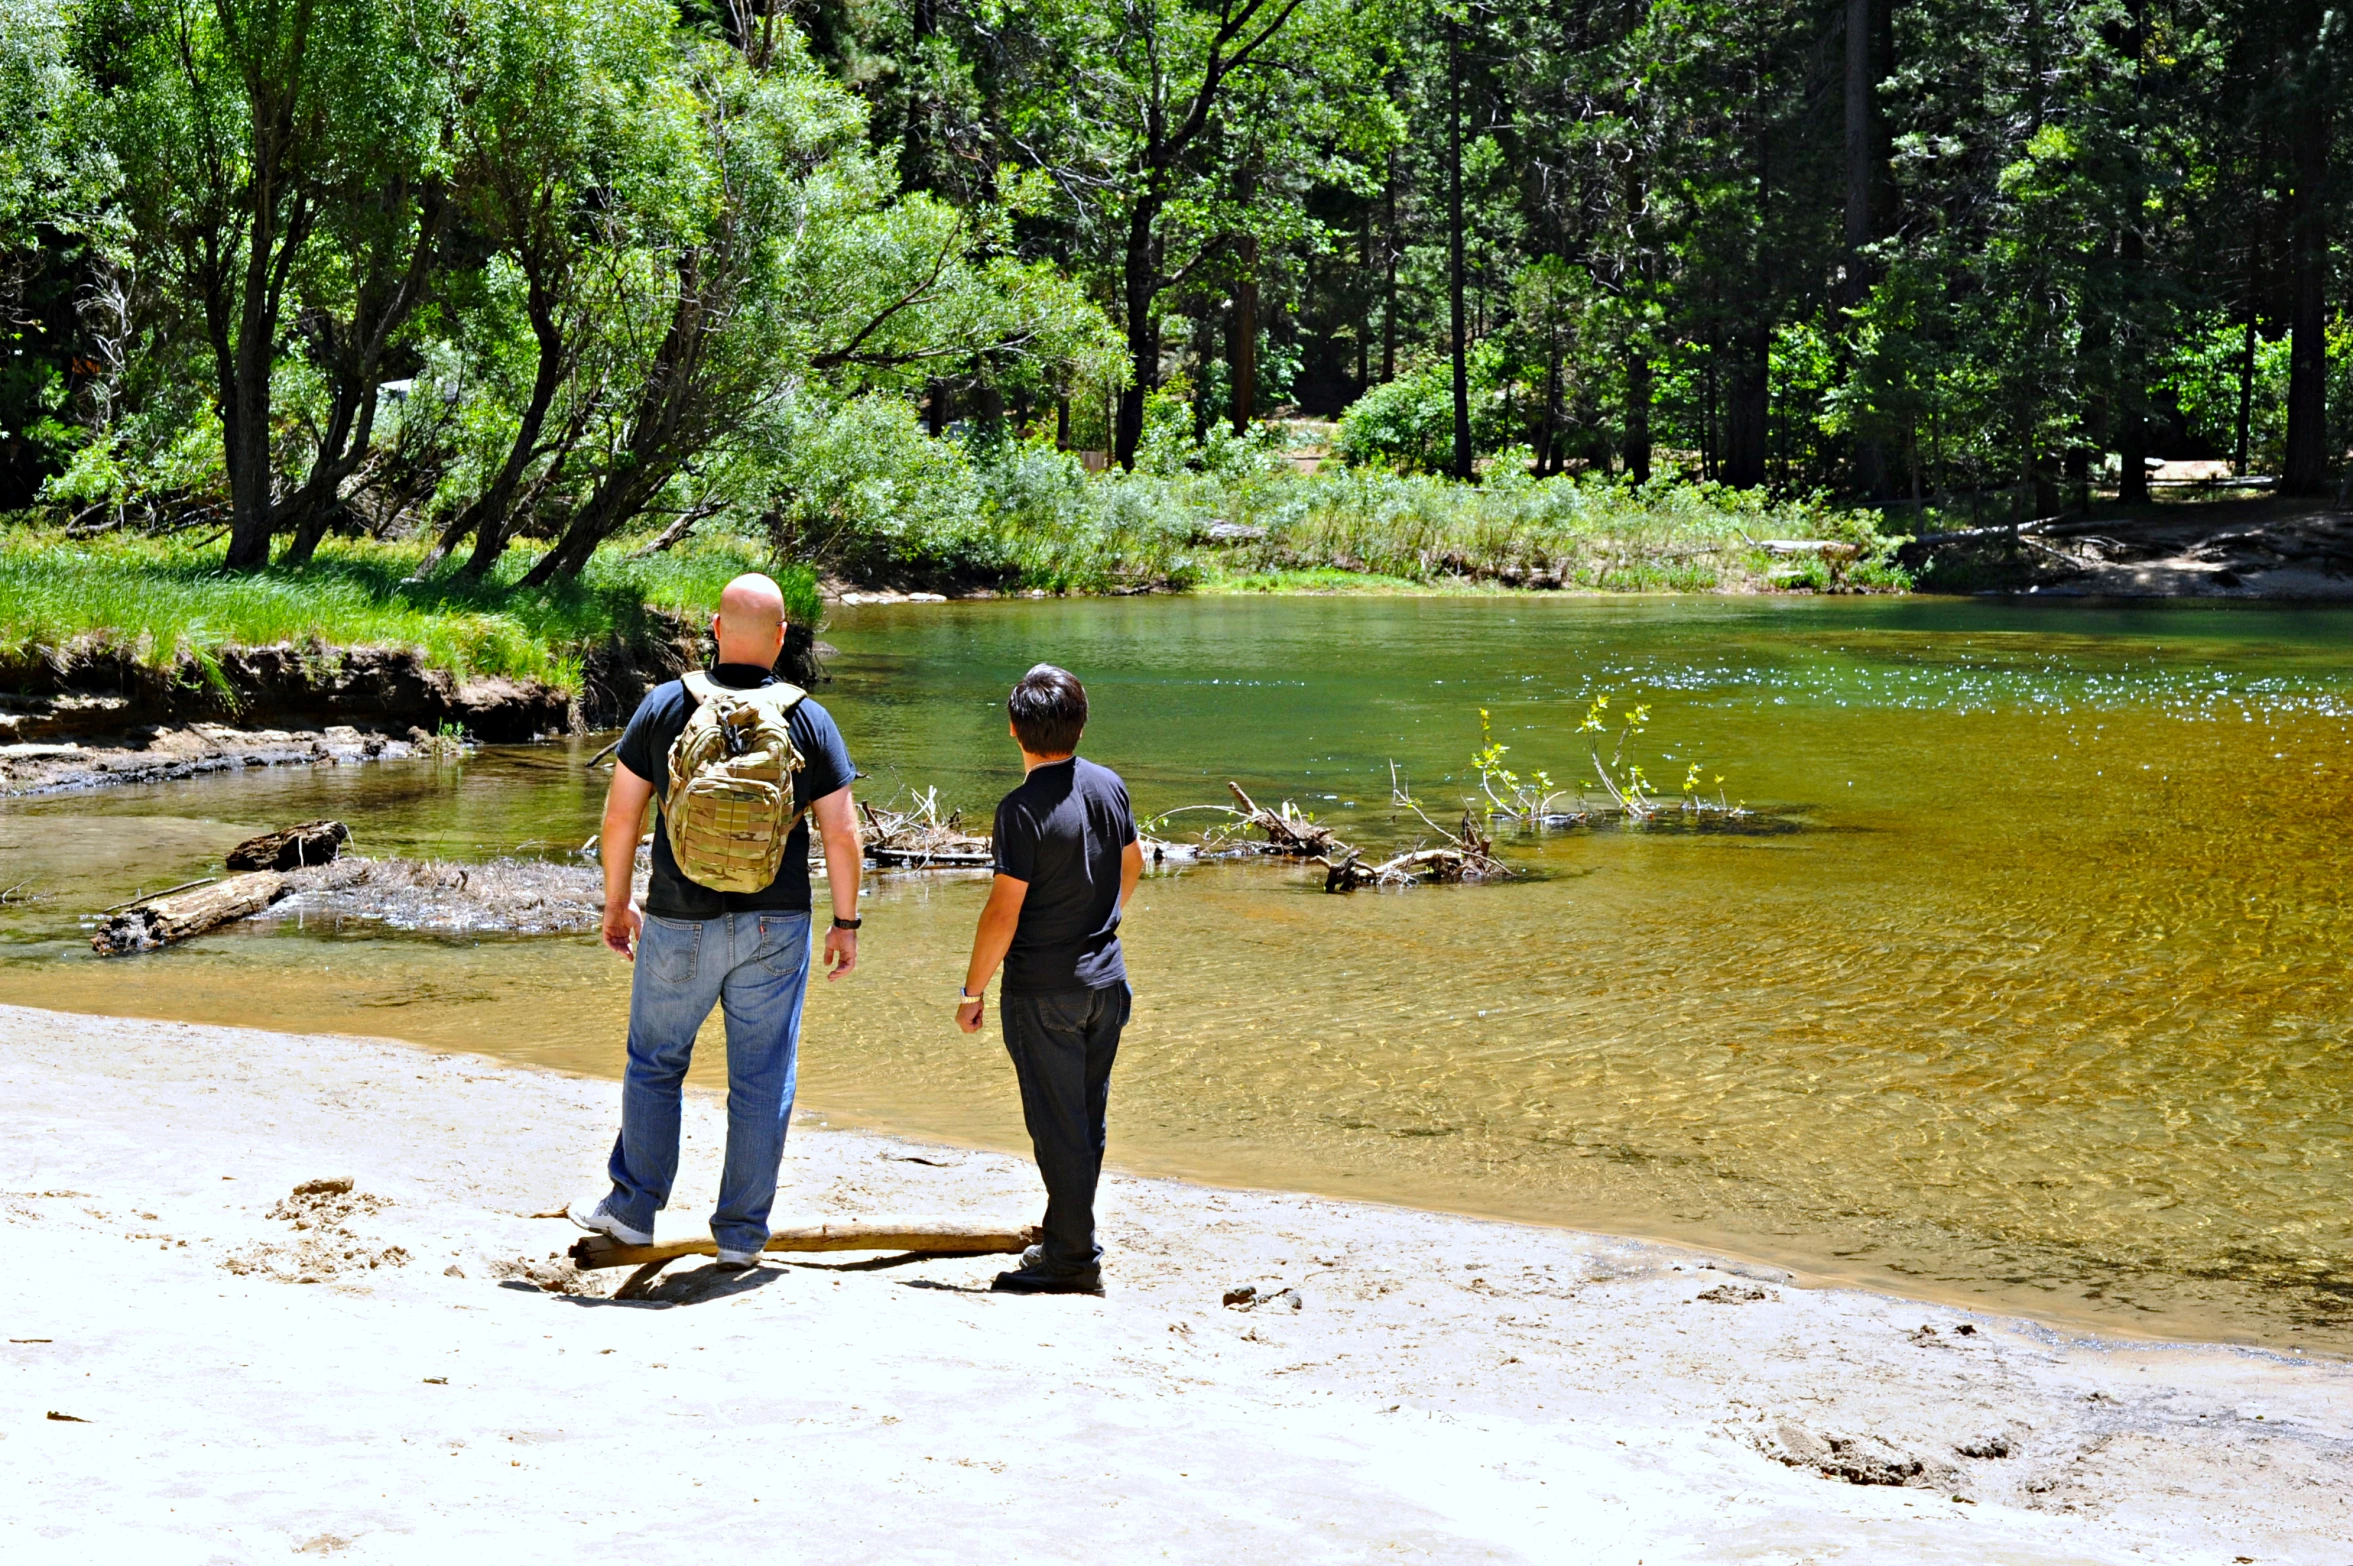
(738, 1261)
(600, 1220)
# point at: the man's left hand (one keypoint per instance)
(841, 952)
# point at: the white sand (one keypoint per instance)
(1449, 1389)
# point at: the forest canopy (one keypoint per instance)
(565, 271)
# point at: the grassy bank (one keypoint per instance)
(1246, 517)
(162, 599)
(1026, 518)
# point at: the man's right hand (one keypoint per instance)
(968, 1014)
(622, 927)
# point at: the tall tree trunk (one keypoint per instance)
(351, 423)
(1637, 452)
(354, 352)
(2132, 423)
(1454, 257)
(245, 393)
(662, 426)
(2238, 465)
(1747, 411)
(1389, 248)
(2305, 471)
(1865, 174)
(492, 513)
(1242, 324)
(915, 171)
(2132, 432)
(1242, 337)
(1548, 456)
(1143, 330)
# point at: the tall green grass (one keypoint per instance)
(161, 600)
(1063, 531)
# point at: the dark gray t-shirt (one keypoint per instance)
(1062, 831)
(645, 750)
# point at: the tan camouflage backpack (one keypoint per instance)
(729, 809)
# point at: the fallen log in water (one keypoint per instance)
(310, 843)
(1470, 857)
(920, 838)
(1289, 832)
(159, 921)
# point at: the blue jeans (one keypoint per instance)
(756, 966)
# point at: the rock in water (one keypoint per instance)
(311, 843)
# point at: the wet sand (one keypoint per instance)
(1445, 1388)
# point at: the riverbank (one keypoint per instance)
(1444, 1388)
(2236, 547)
(146, 645)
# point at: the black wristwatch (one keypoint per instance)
(840, 923)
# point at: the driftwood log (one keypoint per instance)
(310, 843)
(159, 921)
(919, 1236)
(920, 839)
(932, 1236)
(1470, 856)
(1288, 832)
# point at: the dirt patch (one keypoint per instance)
(1866, 1458)
(323, 1248)
(554, 1275)
(1732, 1294)
(97, 689)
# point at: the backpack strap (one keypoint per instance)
(780, 696)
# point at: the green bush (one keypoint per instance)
(1408, 423)
(861, 489)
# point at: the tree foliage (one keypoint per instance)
(559, 271)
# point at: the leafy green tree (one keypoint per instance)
(252, 135)
(788, 261)
(1117, 104)
(572, 143)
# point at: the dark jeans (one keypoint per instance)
(1062, 1048)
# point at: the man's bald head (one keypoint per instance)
(750, 624)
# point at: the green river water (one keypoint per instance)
(2038, 999)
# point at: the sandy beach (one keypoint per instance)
(202, 1366)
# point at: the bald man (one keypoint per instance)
(695, 948)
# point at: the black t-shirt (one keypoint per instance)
(645, 750)
(1062, 832)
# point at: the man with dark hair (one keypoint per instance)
(1067, 862)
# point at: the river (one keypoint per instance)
(2032, 992)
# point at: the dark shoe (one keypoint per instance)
(1032, 1278)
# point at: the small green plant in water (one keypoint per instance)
(450, 742)
(1507, 793)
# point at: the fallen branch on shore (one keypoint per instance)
(918, 1236)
